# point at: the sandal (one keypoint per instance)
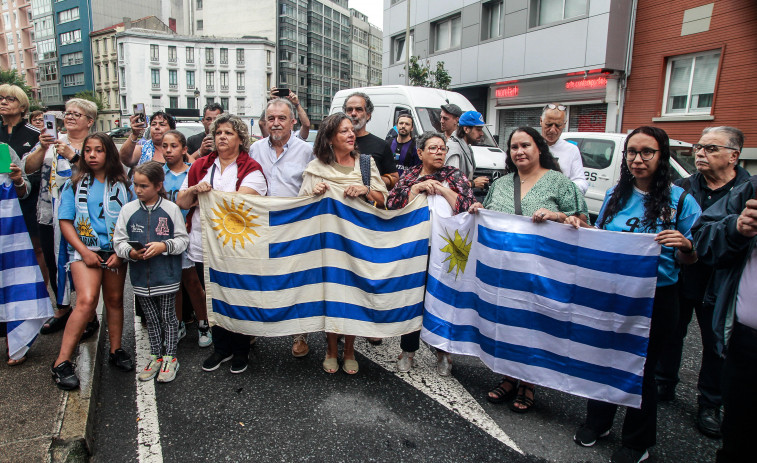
(13, 362)
(350, 366)
(331, 365)
(53, 325)
(499, 394)
(523, 400)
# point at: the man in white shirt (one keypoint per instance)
(283, 158)
(552, 121)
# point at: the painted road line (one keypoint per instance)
(447, 391)
(148, 428)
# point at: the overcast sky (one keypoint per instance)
(373, 8)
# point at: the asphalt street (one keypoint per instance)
(286, 409)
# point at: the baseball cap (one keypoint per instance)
(471, 119)
(452, 109)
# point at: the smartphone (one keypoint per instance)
(139, 110)
(282, 92)
(50, 125)
(136, 245)
(5, 159)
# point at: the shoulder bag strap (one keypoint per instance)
(365, 169)
(516, 194)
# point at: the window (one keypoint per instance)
(199, 24)
(46, 49)
(224, 56)
(190, 79)
(240, 56)
(97, 47)
(68, 15)
(48, 71)
(224, 80)
(225, 104)
(173, 101)
(447, 33)
(120, 51)
(209, 101)
(240, 80)
(156, 103)
(550, 11)
(209, 58)
(199, 5)
(106, 72)
(191, 102)
(690, 83)
(172, 54)
(492, 20)
(173, 79)
(398, 48)
(240, 106)
(154, 53)
(72, 80)
(122, 79)
(70, 37)
(268, 55)
(190, 54)
(155, 77)
(123, 101)
(210, 80)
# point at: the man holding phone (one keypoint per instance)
(302, 116)
(201, 144)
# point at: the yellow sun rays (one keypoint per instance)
(84, 228)
(457, 249)
(234, 223)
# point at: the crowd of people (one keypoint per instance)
(90, 209)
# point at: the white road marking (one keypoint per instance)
(148, 428)
(447, 391)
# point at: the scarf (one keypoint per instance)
(114, 197)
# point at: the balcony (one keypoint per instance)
(225, 88)
(190, 86)
(156, 86)
(240, 64)
(210, 88)
(173, 87)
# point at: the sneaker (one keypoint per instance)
(151, 369)
(168, 371)
(300, 346)
(626, 455)
(406, 361)
(214, 361)
(64, 376)
(204, 338)
(91, 329)
(182, 331)
(238, 364)
(586, 437)
(121, 360)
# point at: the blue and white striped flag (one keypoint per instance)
(280, 266)
(24, 300)
(564, 308)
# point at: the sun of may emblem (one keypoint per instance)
(85, 229)
(457, 249)
(234, 223)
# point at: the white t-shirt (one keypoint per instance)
(746, 307)
(569, 158)
(222, 181)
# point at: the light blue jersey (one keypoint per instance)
(97, 225)
(172, 185)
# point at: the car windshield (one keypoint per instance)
(685, 157)
(430, 120)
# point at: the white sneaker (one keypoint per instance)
(205, 338)
(182, 331)
(168, 371)
(151, 370)
(406, 361)
(443, 364)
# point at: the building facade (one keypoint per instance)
(167, 71)
(16, 43)
(48, 75)
(365, 51)
(693, 67)
(511, 57)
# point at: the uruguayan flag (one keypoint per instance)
(24, 301)
(564, 308)
(279, 266)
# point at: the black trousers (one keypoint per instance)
(47, 240)
(225, 342)
(640, 425)
(711, 369)
(739, 399)
(410, 342)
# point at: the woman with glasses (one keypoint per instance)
(644, 201)
(432, 178)
(36, 118)
(533, 187)
(56, 157)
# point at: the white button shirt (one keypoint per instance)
(284, 173)
(569, 158)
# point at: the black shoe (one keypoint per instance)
(91, 329)
(708, 421)
(55, 324)
(64, 376)
(586, 437)
(121, 360)
(238, 363)
(666, 392)
(627, 455)
(214, 361)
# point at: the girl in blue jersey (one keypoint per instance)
(89, 207)
(176, 169)
(645, 201)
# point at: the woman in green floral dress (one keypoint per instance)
(545, 194)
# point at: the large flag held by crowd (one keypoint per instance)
(24, 300)
(564, 308)
(280, 266)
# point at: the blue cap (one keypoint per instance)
(471, 119)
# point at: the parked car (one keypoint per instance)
(120, 132)
(189, 128)
(601, 156)
(311, 137)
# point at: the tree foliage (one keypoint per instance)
(13, 77)
(421, 74)
(91, 96)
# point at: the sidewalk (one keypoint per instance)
(38, 421)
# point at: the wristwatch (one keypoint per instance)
(75, 159)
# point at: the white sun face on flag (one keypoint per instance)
(457, 250)
(234, 223)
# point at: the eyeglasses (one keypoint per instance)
(646, 154)
(8, 98)
(436, 149)
(711, 149)
(73, 114)
(558, 107)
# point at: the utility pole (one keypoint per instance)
(407, 46)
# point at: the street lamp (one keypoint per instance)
(197, 99)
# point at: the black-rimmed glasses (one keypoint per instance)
(646, 154)
(8, 98)
(711, 149)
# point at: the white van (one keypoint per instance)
(602, 155)
(425, 106)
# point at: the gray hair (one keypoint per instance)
(735, 136)
(365, 97)
(89, 108)
(421, 141)
(280, 101)
(237, 124)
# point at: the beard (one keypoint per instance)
(276, 136)
(359, 124)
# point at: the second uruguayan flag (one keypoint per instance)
(563, 308)
(280, 266)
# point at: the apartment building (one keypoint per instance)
(365, 52)
(16, 43)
